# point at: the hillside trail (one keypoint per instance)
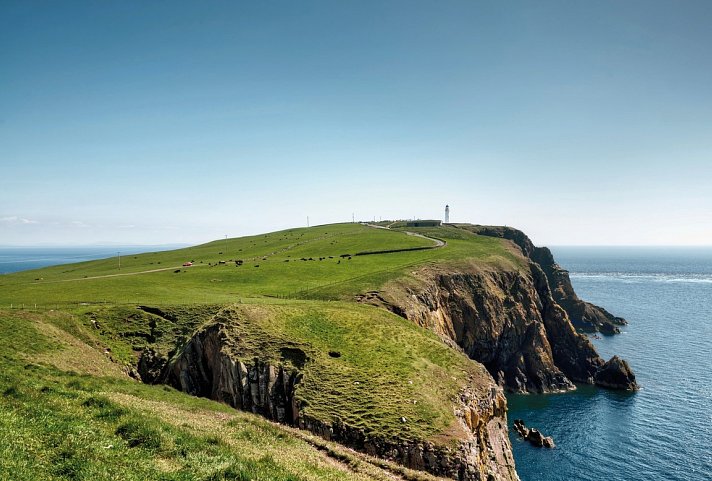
(122, 274)
(437, 242)
(117, 275)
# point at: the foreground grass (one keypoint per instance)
(68, 410)
(57, 424)
(363, 367)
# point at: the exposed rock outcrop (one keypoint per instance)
(583, 315)
(204, 368)
(616, 374)
(498, 318)
(483, 453)
(207, 366)
(494, 316)
(534, 436)
(505, 318)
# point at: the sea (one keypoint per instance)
(14, 259)
(663, 431)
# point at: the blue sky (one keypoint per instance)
(162, 122)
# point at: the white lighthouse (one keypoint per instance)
(447, 214)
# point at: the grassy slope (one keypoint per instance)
(396, 370)
(333, 278)
(282, 301)
(57, 423)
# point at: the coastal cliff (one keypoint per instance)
(217, 362)
(582, 314)
(298, 364)
(507, 318)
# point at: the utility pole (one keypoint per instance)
(307, 221)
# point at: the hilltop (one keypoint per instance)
(394, 341)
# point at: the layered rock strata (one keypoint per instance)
(206, 367)
(507, 319)
(534, 436)
(582, 314)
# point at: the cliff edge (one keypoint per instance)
(311, 368)
(507, 318)
(583, 315)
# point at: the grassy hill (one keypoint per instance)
(68, 412)
(70, 333)
(302, 263)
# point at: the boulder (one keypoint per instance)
(534, 436)
(616, 374)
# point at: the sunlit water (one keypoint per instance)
(13, 259)
(664, 431)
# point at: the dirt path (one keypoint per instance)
(438, 242)
(112, 275)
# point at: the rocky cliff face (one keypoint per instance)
(205, 367)
(583, 315)
(508, 320)
(482, 453)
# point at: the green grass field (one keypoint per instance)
(66, 412)
(65, 396)
(281, 272)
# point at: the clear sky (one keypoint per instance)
(580, 122)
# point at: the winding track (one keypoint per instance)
(437, 243)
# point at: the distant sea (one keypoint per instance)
(13, 259)
(664, 431)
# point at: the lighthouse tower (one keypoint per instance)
(447, 214)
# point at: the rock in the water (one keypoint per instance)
(616, 374)
(520, 428)
(534, 436)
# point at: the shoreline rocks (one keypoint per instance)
(534, 436)
(616, 374)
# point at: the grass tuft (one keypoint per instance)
(137, 432)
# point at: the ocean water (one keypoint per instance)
(662, 432)
(13, 259)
